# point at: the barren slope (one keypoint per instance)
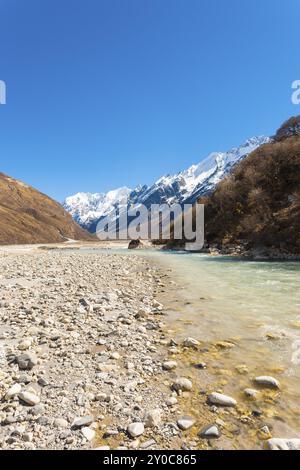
(28, 216)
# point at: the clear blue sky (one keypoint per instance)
(106, 93)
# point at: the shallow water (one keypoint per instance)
(256, 305)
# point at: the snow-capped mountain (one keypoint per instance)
(86, 208)
(184, 187)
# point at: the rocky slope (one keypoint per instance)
(184, 187)
(28, 216)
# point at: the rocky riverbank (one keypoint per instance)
(79, 345)
(83, 354)
(87, 361)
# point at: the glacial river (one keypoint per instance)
(254, 305)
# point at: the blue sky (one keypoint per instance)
(106, 93)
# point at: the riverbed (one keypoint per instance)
(246, 316)
(254, 306)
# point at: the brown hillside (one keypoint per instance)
(28, 216)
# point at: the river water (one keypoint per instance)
(254, 305)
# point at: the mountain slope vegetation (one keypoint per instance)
(258, 205)
(256, 208)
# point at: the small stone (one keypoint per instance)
(272, 337)
(147, 444)
(29, 398)
(13, 391)
(182, 384)
(171, 401)
(251, 392)
(142, 329)
(157, 304)
(201, 365)
(174, 350)
(242, 369)
(9, 420)
(185, 422)
(102, 397)
(135, 429)
(24, 344)
(81, 310)
(220, 422)
(142, 313)
(169, 365)
(106, 367)
(225, 345)
(115, 355)
(27, 361)
(210, 432)
(61, 423)
(134, 444)
(264, 433)
(84, 302)
(267, 381)
(221, 400)
(191, 343)
(265, 429)
(37, 410)
(283, 444)
(24, 379)
(88, 433)
(82, 422)
(102, 448)
(27, 437)
(43, 382)
(152, 418)
(110, 432)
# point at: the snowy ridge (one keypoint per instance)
(85, 208)
(184, 187)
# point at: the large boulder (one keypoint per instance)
(133, 244)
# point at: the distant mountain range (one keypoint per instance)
(184, 187)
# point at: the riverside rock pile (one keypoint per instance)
(79, 350)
